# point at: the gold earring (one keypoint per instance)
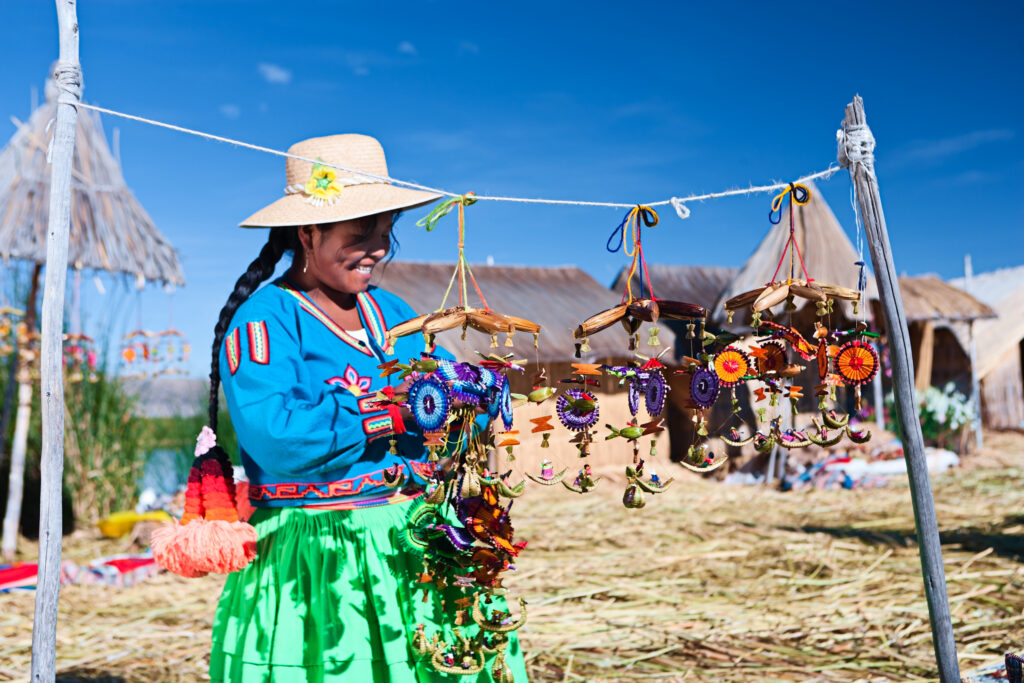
(305, 265)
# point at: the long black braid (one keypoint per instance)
(280, 240)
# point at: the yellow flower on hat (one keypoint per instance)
(323, 185)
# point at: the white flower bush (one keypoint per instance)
(943, 413)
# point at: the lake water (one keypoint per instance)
(165, 472)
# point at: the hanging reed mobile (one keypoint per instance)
(464, 316)
(841, 357)
(644, 377)
(463, 528)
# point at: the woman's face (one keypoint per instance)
(341, 256)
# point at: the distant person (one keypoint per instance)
(331, 594)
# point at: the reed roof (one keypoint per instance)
(110, 231)
(558, 298)
(929, 298)
(1003, 290)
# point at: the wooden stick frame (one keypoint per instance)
(856, 152)
(68, 77)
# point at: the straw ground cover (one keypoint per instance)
(707, 583)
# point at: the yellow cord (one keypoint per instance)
(633, 220)
(780, 197)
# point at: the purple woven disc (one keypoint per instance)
(633, 396)
(572, 417)
(704, 388)
(654, 393)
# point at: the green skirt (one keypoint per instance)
(331, 596)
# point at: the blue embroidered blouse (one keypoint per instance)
(301, 393)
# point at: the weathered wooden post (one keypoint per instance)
(68, 77)
(973, 352)
(16, 477)
(856, 151)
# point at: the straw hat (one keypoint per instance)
(318, 194)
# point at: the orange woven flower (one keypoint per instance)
(857, 362)
(730, 366)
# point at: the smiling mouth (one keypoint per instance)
(364, 270)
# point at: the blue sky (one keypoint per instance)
(581, 100)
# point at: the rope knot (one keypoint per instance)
(68, 78)
(682, 210)
(856, 145)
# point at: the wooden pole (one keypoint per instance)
(973, 351)
(16, 476)
(68, 78)
(925, 356)
(876, 388)
(856, 151)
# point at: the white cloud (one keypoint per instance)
(407, 48)
(932, 151)
(230, 111)
(466, 47)
(359, 62)
(272, 73)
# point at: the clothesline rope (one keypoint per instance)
(678, 203)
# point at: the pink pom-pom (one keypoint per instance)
(169, 553)
(205, 441)
(224, 547)
(200, 547)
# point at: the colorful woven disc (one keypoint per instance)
(704, 387)
(654, 393)
(731, 365)
(505, 404)
(429, 403)
(494, 395)
(572, 417)
(774, 359)
(857, 362)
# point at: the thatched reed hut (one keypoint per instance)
(110, 231)
(932, 308)
(1000, 345)
(558, 298)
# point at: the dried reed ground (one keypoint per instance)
(708, 583)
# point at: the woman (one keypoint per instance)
(331, 594)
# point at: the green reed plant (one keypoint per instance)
(105, 445)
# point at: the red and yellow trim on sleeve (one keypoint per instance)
(373, 318)
(259, 342)
(369, 404)
(377, 426)
(232, 344)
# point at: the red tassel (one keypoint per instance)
(210, 537)
(201, 547)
